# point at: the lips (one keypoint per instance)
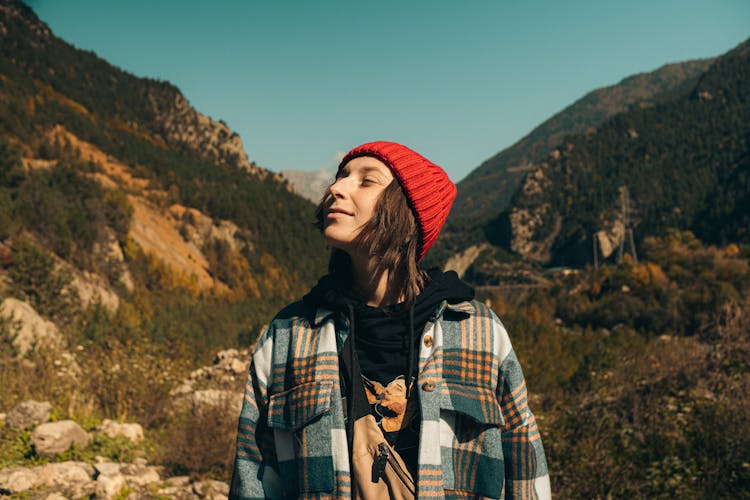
(334, 211)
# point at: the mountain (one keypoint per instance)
(684, 164)
(309, 185)
(488, 189)
(133, 193)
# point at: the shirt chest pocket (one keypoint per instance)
(301, 419)
(470, 439)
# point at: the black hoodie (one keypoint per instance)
(384, 333)
(386, 341)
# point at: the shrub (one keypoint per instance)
(201, 441)
(131, 380)
(34, 277)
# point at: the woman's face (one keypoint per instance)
(352, 201)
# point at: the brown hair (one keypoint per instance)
(391, 235)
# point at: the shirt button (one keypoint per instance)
(428, 386)
(428, 340)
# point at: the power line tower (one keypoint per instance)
(625, 212)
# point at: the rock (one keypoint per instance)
(213, 398)
(107, 468)
(17, 479)
(181, 390)
(67, 366)
(28, 414)
(182, 125)
(461, 261)
(178, 481)
(198, 373)
(34, 331)
(68, 475)
(238, 366)
(110, 486)
(126, 280)
(182, 489)
(56, 437)
(610, 238)
(55, 496)
(133, 432)
(211, 489)
(139, 476)
(225, 356)
(179, 492)
(93, 289)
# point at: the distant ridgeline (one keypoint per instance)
(679, 152)
(98, 166)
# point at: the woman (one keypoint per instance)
(403, 367)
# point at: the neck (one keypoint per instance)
(370, 285)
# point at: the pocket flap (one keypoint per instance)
(477, 402)
(293, 409)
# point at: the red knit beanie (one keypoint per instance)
(428, 189)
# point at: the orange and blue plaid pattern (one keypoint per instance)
(478, 438)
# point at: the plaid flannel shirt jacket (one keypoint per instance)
(478, 438)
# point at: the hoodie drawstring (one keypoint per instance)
(352, 375)
(410, 373)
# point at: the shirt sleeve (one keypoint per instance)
(255, 474)
(526, 474)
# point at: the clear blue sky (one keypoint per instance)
(458, 81)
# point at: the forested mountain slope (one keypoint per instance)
(685, 164)
(488, 189)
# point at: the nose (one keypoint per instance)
(339, 188)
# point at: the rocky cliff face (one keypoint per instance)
(156, 111)
(182, 125)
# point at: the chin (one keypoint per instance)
(336, 238)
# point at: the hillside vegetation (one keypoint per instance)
(639, 372)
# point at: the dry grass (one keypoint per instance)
(200, 441)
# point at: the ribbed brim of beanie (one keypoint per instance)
(428, 189)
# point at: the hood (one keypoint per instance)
(440, 286)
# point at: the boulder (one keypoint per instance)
(133, 432)
(214, 398)
(110, 486)
(238, 366)
(140, 475)
(181, 492)
(56, 437)
(28, 414)
(107, 468)
(68, 475)
(55, 496)
(16, 479)
(178, 481)
(213, 490)
(34, 331)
